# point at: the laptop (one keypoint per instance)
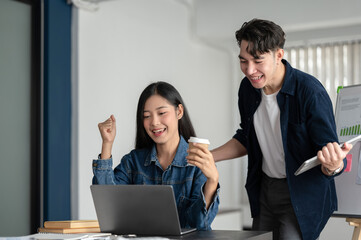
(149, 210)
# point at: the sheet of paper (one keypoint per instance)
(55, 236)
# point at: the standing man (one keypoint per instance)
(286, 118)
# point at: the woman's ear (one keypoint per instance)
(180, 111)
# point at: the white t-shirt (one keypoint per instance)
(268, 129)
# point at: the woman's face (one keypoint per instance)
(161, 119)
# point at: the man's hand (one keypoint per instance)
(331, 156)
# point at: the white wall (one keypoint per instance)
(122, 48)
(127, 44)
(218, 19)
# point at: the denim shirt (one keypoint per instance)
(143, 167)
(307, 124)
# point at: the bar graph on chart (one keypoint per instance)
(350, 131)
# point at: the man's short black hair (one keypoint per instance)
(262, 36)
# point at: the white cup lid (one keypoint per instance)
(198, 140)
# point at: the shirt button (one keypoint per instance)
(95, 164)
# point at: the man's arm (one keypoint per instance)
(231, 149)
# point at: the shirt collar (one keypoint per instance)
(288, 86)
(179, 158)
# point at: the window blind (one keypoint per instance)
(334, 64)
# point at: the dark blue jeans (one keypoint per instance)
(276, 211)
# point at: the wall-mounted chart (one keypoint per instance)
(348, 123)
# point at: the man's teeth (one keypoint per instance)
(256, 78)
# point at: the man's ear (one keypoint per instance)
(180, 111)
(279, 55)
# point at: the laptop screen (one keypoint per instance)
(136, 209)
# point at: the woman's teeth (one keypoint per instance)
(158, 131)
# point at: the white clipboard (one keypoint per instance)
(313, 162)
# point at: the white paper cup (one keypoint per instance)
(200, 141)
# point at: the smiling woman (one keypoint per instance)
(160, 156)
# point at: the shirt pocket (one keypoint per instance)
(182, 196)
(299, 141)
(140, 178)
(183, 207)
(297, 129)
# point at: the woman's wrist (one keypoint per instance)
(106, 152)
(212, 182)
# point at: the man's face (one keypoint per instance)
(262, 70)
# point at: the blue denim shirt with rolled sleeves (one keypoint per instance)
(307, 124)
(142, 167)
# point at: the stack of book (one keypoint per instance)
(71, 226)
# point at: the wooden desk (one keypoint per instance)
(226, 234)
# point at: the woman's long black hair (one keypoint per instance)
(167, 91)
